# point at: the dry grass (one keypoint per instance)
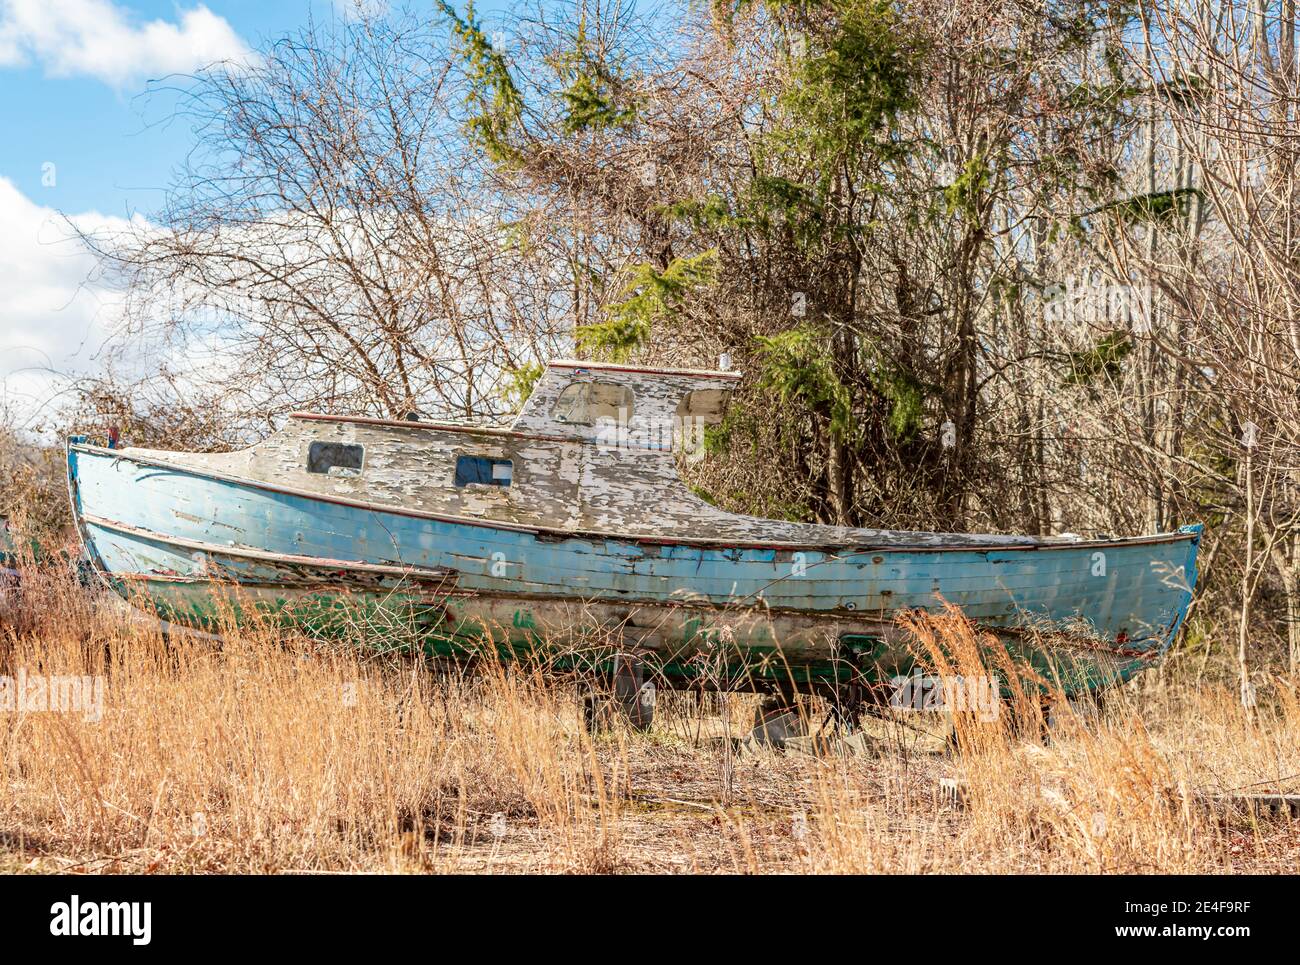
(269, 754)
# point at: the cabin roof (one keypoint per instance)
(645, 370)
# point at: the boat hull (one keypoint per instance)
(202, 548)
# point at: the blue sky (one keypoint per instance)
(103, 132)
(106, 134)
(82, 137)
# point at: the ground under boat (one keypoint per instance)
(573, 524)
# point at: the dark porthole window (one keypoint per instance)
(335, 458)
(483, 471)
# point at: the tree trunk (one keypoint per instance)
(1243, 621)
(1287, 562)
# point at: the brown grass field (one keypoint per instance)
(273, 755)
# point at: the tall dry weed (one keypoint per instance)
(263, 751)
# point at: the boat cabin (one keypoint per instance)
(594, 450)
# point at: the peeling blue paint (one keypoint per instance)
(142, 521)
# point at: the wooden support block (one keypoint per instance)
(634, 694)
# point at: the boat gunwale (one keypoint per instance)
(646, 539)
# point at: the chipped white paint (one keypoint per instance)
(563, 479)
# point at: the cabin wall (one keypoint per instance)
(556, 484)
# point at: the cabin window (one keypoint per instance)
(703, 407)
(335, 458)
(707, 405)
(583, 403)
(483, 471)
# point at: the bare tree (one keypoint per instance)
(330, 243)
(1227, 288)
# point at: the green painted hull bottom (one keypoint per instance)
(685, 646)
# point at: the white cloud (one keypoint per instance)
(53, 322)
(97, 38)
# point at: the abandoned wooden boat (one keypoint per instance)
(575, 519)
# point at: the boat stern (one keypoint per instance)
(78, 513)
(1195, 530)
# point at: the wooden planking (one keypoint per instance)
(1048, 581)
